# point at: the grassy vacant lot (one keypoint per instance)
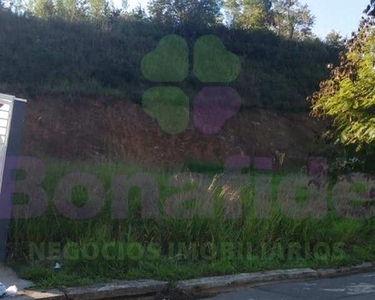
(100, 248)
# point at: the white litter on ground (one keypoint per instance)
(11, 291)
(57, 266)
(5, 292)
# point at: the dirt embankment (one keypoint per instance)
(123, 131)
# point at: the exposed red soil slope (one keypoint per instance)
(122, 131)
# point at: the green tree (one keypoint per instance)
(249, 14)
(348, 96)
(335, 40)
(292, 19)
(256, 14)
(97, 9)
(232, 12)
(72, 10)
(185, 13)
(67, 9)
(138, 14)
(43, 9)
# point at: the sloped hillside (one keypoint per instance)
(122, 130)
(41, 57)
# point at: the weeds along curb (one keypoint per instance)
(186, 289)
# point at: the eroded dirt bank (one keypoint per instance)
(121, 130)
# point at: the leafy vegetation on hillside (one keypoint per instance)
(347, 97)
(68, 58)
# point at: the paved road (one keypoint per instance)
(354, 287)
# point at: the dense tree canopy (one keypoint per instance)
(292, 19)
(185, 13)
(288, 18)
(55, 55)
(335, 39)
(249, 14)
(90, 46)
(348, 96)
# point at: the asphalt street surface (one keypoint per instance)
(353, 287)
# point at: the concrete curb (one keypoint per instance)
(124, 289)
(363, 267)
(209, 283)
(134, 289)
(186, 289)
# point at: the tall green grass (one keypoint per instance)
(270, 238)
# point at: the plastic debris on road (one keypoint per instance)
(5, 292)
